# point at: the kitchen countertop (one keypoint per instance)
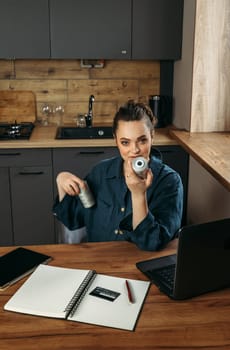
(44, 137)
(210, 149)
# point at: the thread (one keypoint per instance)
(140, 166)
(86, 197)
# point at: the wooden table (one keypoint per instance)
(201, 322)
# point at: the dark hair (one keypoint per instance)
(132, 111)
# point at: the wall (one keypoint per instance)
(211, 83)
(201, 96)
(202, 77)
(65, 82)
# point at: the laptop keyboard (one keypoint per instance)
(164, 276)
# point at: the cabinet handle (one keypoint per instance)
(31, 172)
(91, 152)
(10, 154)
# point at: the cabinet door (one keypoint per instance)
(177, 159)
(32, 199)
(25, 157)
(80, 160)
(157, 29)
(24, 29)
(98, 29)
(6, 236)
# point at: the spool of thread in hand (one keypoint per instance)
(140, 166)
(86, 197)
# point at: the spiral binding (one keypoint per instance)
(80, 293)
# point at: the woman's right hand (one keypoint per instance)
(68, 183)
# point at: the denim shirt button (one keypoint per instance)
(120, 232)
(122, 209)
(116, 232)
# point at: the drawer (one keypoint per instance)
(25, 157)
(80, 160)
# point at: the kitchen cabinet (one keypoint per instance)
(79, 160)
(157, 29)
(28, 187)
(6, 236)
(101, 29)
(122, 29)
(177, 159)
(24, 29)
(27, 197)
(89, 29)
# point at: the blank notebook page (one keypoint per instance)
(47, 292)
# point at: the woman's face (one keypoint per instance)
(133, 139)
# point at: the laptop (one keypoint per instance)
(201, 264)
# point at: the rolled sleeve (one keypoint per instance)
(163, 219)
(69, 211)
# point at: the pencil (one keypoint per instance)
(129, 292)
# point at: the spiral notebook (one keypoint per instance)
(80, 296)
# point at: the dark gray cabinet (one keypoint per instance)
(28, 187)
(24, 29)
(79, 160)
(122, 29)
(177, 159)
(101, 29)
(157, 29)
(32, 199)
(6, 236)
(98, 29)
(27, 197)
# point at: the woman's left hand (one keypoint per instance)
(135, 183)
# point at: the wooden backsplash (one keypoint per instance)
(64, 82)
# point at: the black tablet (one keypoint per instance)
(18, 263)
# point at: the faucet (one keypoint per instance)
(89, 116)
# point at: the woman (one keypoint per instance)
(146, 211)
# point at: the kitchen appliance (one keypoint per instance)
(16, 131)
(17, 114)
(161, 107)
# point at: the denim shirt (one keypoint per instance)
(110, 219)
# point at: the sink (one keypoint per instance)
(95, 132)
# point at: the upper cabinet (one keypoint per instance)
(87, 29)
(24, 29)
(157, 29)
(99, 29)
(122, 29)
